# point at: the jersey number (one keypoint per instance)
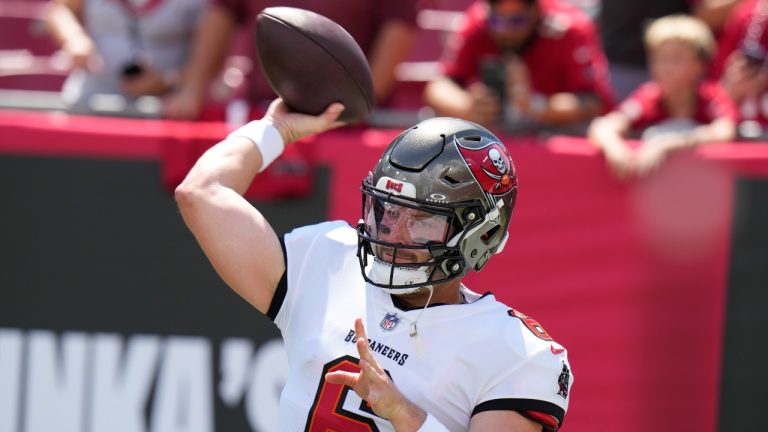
(327, 413)
(532, 324)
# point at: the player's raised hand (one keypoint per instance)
(376, 387)
(293, 126)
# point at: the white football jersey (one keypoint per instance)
(466, 358)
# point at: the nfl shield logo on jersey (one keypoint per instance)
(390, 321)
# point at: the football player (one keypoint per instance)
(380, 308)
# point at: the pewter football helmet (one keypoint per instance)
(437, 204)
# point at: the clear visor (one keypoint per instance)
(394, 223)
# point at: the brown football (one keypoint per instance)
(311, 62)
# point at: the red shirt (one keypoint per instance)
(733, 36)
(734, 32)
(565, 55)
(645, 106)
(363, 19)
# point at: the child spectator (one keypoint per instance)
(546, 59)
(677, 109)
(621, 30)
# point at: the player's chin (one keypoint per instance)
(418, 294)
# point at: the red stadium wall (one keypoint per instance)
(631, 277)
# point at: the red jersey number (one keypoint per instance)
(327, 413)
(532, 324)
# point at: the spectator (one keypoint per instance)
(622, 23)
(677, 109)
(548, 65)
(124, 47)
(383, 29)
(741, 61)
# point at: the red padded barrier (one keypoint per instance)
(629, 276)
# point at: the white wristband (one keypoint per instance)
(431, 424)
(266, 138)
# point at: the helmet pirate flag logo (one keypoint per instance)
(492, 168)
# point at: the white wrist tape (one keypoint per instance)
(431, 424)
(266, 138)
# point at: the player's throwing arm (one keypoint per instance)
(235, 237)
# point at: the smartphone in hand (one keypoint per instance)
(754, 54)
(132, 69)
(492, 73)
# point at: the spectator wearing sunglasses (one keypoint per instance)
(518, 63)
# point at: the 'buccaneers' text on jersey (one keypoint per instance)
(464, 359)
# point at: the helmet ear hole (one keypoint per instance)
(489, 234)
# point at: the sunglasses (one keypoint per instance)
(508, 22)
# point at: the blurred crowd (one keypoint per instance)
(639, 78)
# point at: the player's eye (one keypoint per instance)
(425, 223)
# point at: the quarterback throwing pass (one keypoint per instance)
(380, 332)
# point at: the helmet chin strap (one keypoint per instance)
(414, 331)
